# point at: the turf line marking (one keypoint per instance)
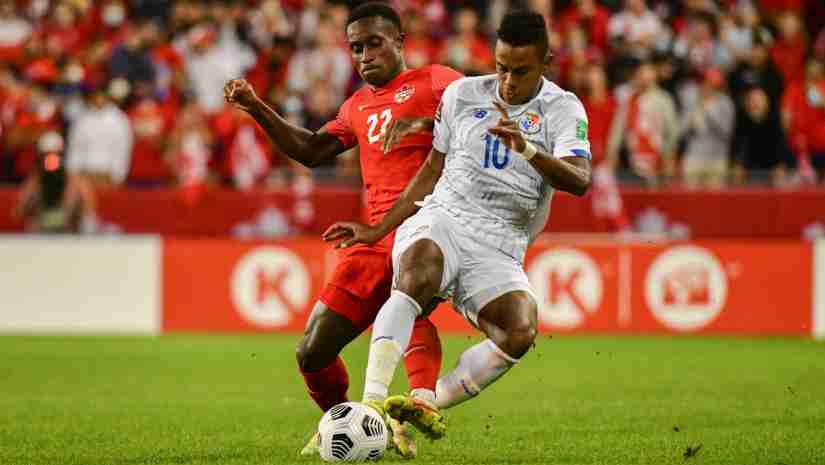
(624, 287)
(819, 290)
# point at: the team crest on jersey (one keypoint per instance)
(529, 123)
(404, 93)
(480, 113)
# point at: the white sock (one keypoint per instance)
(391, 334)
(424, 394)
(478, 367)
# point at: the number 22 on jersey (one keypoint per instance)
(372, 120)
(491, 153)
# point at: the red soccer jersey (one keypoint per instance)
(412, 94)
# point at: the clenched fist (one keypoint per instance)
(240, 93)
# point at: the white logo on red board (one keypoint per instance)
(269, 285)
(686, 288)
(568, 286)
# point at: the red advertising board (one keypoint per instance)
(701, 287)
(712, 287)
(235, 286)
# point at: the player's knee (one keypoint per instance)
(311, 356)
(420, 284)
(522, 331)
(520, 338)
(421, 270)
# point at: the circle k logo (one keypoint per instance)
(268, 285)
(568, 286)
(686, 288)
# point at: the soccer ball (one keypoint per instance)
(352, 432)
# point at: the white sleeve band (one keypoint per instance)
(529, 152)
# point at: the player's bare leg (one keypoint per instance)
(325, 374)
(326, 334)
(510, 323)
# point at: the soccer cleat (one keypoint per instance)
(378, 406)
(313, 446)
(401, 439)
(420, 413)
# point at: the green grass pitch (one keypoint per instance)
(573, 400)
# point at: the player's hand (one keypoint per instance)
(350, 233)
(397, 129)
(240, 93)
(507, 131)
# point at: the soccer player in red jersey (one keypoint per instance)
(391, 120)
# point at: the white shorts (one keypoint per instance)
(474, 274)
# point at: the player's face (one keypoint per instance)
(519, 71)
(375, 44)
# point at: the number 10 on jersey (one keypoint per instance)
(491, 151)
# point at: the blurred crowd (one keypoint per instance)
(699, 93)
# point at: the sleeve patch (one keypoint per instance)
(581, 129)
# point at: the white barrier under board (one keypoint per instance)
(80, 285)
(819, 290)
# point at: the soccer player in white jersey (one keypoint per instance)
(502, 143)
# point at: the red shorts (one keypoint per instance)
(361, 283)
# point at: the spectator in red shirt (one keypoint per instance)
(788, 52)
(64, 32)
(589, 16)
(190, 150)
(803, 112)
(466, 50)
(151, 129)
(39, 114)
(600, 105)
(573, 58)
(420, 49)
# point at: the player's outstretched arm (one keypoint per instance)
(423, 184)
(570, 174)
(302, 145)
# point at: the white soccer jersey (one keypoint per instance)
(495, 193)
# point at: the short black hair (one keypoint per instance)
(373, 9)
(523, 27)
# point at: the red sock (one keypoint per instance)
(423, 357)
(328, 386)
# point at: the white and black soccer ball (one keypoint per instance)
(352, 432)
